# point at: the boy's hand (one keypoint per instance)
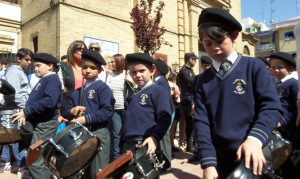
(19, 116)
(61, 119)
(252, 152)
(80, 119)
(78, 109)
(210, 173)
(152, 145)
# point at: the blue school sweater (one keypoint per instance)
(44, 99)
(98, 100)
(287, 92)
(229, 108)
(147, 113)
(162, 81)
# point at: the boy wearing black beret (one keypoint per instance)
(147, 111)
(96, 108)
(41, 108)
(205, 62)
(160, 79)
(236, 103)
(282, 64)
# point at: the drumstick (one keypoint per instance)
(80, 98)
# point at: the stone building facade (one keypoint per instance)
(51, 25)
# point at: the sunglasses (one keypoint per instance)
(95, 48)
(79, 48)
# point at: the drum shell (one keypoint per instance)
(9, 132)
(280, 150)
(56, 160)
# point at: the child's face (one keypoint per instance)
(279, 69)
(25, 62)
(140, 73)
(218, 49)
(42, 69)
(90, 70)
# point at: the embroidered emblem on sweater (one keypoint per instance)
(143, 99)
(91, 92)
(37, 86)
(240, 84)
(281, 91)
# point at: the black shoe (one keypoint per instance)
(195, 158)
(190, 146)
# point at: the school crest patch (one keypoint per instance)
(37, 86)
(240, 86)
(143, 99)
(91, 94)
(281, 91)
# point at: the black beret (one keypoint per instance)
(190, 55)
(218, 17)
(45, 58)
(161, 66)
(283, 56)
(139, 58)
(93, 56)
(206, 60)
(264, 59)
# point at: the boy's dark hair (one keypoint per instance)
(63, 57)
(22, 52)
(213, 32)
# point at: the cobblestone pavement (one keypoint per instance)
(180, 169)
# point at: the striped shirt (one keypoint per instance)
(116, 84)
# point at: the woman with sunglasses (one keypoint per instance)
(71, 71)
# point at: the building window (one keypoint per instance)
(35, 44)
(289, 35)
(246, 50)
(248, 29)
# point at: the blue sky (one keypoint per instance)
(282, 10)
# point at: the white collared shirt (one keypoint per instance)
(148, 83)
(232, 58)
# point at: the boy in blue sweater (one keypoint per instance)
(236, 104)
(96, 108)
(147, 111)
(282, 65)
(41, 108)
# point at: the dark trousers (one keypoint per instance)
(42, 130)
(226, 163)
(186, 108)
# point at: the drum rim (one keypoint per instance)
(7, 112)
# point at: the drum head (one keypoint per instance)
(80, 150)
(79, 157)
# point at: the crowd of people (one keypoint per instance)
(224, 115)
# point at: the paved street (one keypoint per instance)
(180, 169)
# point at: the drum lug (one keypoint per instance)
(85, 128)
(59, 148)
(74, 135)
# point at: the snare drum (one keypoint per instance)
(70, 151)
(140, 166)
(276, 153)
(9, 132)
(279, 148)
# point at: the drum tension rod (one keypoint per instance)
(59, 148)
